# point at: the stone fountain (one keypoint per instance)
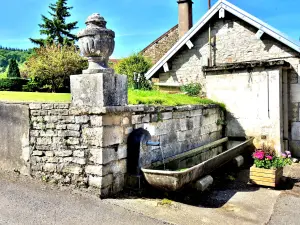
(98, 86)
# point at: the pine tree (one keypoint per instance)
(13, 69)
(56, 29)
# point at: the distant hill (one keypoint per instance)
(12, 53)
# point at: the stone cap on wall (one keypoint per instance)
(246, 65)
(137, 109)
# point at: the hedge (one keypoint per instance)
(12, 84)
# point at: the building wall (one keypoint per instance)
(235, 41)
(87, 147)
(255, 102)
(158, 49)
(14, 137)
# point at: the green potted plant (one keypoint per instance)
(268, 167)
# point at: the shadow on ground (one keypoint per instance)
(228, 181)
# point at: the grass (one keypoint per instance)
(135, 97)
(160, 98)
(34, 97)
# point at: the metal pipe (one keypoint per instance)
(152, 143)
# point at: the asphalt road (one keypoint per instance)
(30, 202)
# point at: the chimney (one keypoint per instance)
(185, 16)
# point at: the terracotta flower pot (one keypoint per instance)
(265, 177)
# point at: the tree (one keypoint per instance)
(51, 66)
(57, 30)
(13, 69)
(134, 64)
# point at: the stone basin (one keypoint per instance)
(190, 166)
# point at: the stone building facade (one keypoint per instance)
(236, 37)
(158, 48)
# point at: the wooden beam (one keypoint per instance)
(259, 33)
(222, 13)
(166, 67)
(190, 44)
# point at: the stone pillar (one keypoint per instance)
(185, 16)
(98, 86)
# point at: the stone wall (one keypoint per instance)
(14, 137)
(254, 101)
(234, 41)
(87, 147)
(158, 48)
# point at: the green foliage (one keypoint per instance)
(6, 54)
(34, 97)
(135, 63)
(13, 69)
(140, 82)
(192, 89)
(56, 29)
(31, 86)
(51, 67)
(266, 158)
(12, 84)
(137, 97)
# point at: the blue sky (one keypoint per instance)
(136, 22)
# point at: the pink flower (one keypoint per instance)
(288, 153)
(283, 155)
(269, 157)
(259, 155)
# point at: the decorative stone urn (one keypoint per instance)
(98, 86)
(97, 43)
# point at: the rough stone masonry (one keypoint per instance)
(87, 147)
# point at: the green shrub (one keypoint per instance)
(51, 67)
(140, 82)
(135, 63)
(192, 89)
(31, 86)
(12, 84)
(13, 69)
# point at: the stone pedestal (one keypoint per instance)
(99, 89)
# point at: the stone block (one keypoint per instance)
(72, 141)
(122, 151)
(35, 106)
(197, 112)
(103, 156)
(47, 106)
(125, 121)
(98, 90)
(112, 135)
(100, 182)
(64, 153)
(95, 170)
(96, 121)
(82, 119)
(136, 119)
(49, 153)
(93, 136)
(181, 115)
(72, 169)
(110, 120)
(78, 153)
(75, 127)
(80, 161)
(37, 153)
(166, 115)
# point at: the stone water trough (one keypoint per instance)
(190, 166)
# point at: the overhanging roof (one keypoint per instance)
(223, 4)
